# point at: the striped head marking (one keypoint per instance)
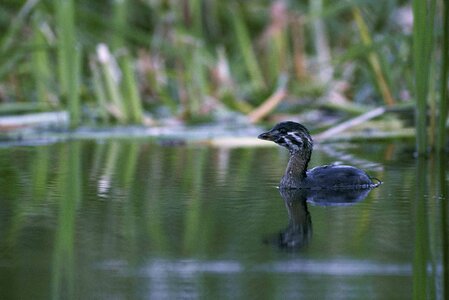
(293, 136)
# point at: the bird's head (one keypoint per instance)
(291, 135)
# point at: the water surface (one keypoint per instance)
(133, 219)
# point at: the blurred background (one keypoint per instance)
(162, 61)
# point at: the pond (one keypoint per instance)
(138, 219)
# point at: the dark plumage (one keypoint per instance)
(296, 138)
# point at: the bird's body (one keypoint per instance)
(296, 138)
(337, 177)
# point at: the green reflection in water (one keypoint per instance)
(421, 232)
(132, 219)
(69, 196)
(444, 215)
(430, 267)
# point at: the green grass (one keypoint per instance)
(40, 63)
(442, 121)
(192, 59)
(423, 32)
(131, 93)
(69, 57)
(246, 49)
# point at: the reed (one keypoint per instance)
(423, 14)
(119, 23)
(325, 69)
(197, 83)
(12, 54)
(69, 57)
(299, 53)
(18, 21)
(130, 91)
(111, 75)
(373, 58)
(246, 49)
(274, 43)
(116, 87)
(99, 91)
(156, 76)
(40, 63)
(443, 108)
(180, 67)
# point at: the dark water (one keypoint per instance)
(135, 220)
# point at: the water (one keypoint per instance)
(131, 219)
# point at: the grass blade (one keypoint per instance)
(441, 135)
(119, 20)
(69, 57)
(99, 90)
(422, 48)
(246, 48)
(131, 92)
(325, 70)
(373, 58)
(40, 64)
(111, 78)
(16, 24)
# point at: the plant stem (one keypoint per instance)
(441, 135)
(111, 78)
(323, 53)
(131, 92)
(246, 48)
(40, 64)
(422, 48)
(373, 58)
(69, 59)
(99, 90)
(119, 19)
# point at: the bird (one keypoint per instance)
(298, 141)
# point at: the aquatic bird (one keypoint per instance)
(296, 138)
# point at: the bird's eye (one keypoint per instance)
(282, 131)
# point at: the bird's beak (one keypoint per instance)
(268, 136)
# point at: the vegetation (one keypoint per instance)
(206, 60)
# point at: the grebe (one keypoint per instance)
(296, 138)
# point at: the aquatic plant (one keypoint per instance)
(443, 107)
(69, 57)
(194, 60)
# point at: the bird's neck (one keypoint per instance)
(296, 169)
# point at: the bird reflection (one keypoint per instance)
(299, 230)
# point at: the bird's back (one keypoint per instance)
(337, 177)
